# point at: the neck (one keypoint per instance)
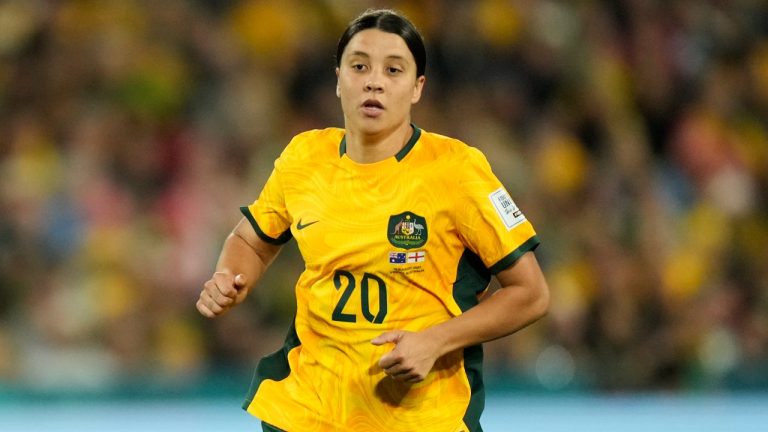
(370, 148)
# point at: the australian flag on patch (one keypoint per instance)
(397, 257)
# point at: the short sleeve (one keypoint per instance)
(268, 214)
(489, 222)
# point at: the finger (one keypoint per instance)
(203, 309)
(222, 300)
(393, 369)
(389, 361)
(212, 304)
(386, 337)
(240, 281)
(414, 379)
(220, 295)
(403, 375)
(225, 284)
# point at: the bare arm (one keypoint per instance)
(523, 299)
(243, 260)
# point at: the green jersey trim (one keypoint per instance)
(529, 245)
(403, 151)
(280, 240)
(473, 367)
(472, 278)
(409, 145)
(266, 427)
(274, 366)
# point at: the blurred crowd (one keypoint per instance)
(633, 134)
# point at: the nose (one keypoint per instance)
(373, 84)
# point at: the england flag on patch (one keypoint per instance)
(397, 257)
(416, 257)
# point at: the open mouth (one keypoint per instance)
(372, 103)
(372, 107)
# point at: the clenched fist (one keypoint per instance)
(220, 293)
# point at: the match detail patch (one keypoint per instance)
(508, 211)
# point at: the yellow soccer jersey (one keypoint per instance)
(404, 243)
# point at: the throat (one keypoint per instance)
(371, 148)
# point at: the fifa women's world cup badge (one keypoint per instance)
(407, 230)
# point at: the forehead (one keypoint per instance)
(377, 43)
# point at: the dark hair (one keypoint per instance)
(388, 21)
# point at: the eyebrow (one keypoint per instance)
(366, 55)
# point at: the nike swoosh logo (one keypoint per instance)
(300, 226)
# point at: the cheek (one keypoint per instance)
(345, 87)
(406, 97)
(342, 89)
(345, 100)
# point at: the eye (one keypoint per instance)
(394, 70)
(358, 67)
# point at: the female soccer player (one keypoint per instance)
(400, 230)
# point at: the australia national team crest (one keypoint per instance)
(407, 230)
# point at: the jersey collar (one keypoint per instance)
(403, 151)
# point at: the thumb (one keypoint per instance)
(387, 337)
(240, 280)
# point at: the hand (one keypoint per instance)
(411, 359)
(220, 293)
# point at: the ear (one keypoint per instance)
(338, 90)
(417, 89)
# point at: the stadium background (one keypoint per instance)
(634, 134)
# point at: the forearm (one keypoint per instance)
(242, 253)
(508, 310)
(504, 313)
(524, 299)
(243, 259)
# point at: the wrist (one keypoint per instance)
(441, 337)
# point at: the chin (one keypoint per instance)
(372, 126)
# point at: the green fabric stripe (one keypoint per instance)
(274, 366)
(529, 245)
(282, 239)
(473, 366)
(471, 279)
(409, 145)
(403, 151)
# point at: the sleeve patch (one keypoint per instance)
(507, 210)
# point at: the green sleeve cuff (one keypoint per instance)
(529, 245)
(280, 240)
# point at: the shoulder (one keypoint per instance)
(313, 145)
(451, 151)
